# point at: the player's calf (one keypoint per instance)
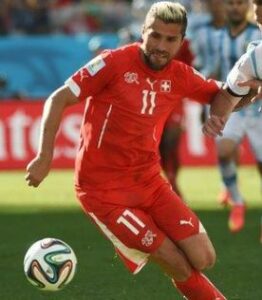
(198, 287)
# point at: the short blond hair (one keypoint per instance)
(168, 12)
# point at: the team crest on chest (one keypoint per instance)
(165, 86)
(131, 77)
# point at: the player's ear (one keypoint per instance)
(143, 29)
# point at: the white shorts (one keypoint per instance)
(240, 125)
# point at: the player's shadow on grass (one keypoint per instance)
(101, 276)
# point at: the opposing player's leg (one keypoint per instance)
(228, 169)
(227, 147)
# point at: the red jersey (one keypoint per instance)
(124, 119)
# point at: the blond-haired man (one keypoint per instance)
(118, 182)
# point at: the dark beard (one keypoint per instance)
(149, 63)
(236, 23)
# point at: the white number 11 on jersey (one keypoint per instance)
(136, 221)
(148, 102)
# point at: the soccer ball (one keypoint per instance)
(50, 264)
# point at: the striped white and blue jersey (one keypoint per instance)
(205, 45)
(248, 121)
(232, 48)
(249, 66)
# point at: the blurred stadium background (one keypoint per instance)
(41, 44)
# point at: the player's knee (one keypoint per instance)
(224, 155)
(225, 151)
(206, 261)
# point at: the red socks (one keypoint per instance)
(198, 287)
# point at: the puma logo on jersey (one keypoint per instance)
(151, 83)
(185, 222)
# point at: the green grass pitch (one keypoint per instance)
(28, 214)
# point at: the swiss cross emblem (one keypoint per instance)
(165, 86)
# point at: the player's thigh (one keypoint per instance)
(235, 127)
(135, 228)
(173, 216)
(131, 226)
(132, 231)
(183, 227)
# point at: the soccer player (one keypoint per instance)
(206, 45)
(252, 67)
(245, 75)
(233, 43)
(133, 89)
(206, 50)
(174, 126)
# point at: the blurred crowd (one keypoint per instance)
(62, 16)
(96, 18)
(74, 16)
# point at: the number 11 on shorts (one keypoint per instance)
(131, 227)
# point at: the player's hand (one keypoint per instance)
(214, 126)
(37, 170)
(255, 85)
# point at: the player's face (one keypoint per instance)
(161, 43)
(258, 11)
(236, 10)
(217, 9)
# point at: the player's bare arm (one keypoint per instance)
(224, 103)
(39, 167)
(221, 107)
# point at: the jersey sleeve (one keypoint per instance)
(241, 71)
(200, 89)
(93, 77)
